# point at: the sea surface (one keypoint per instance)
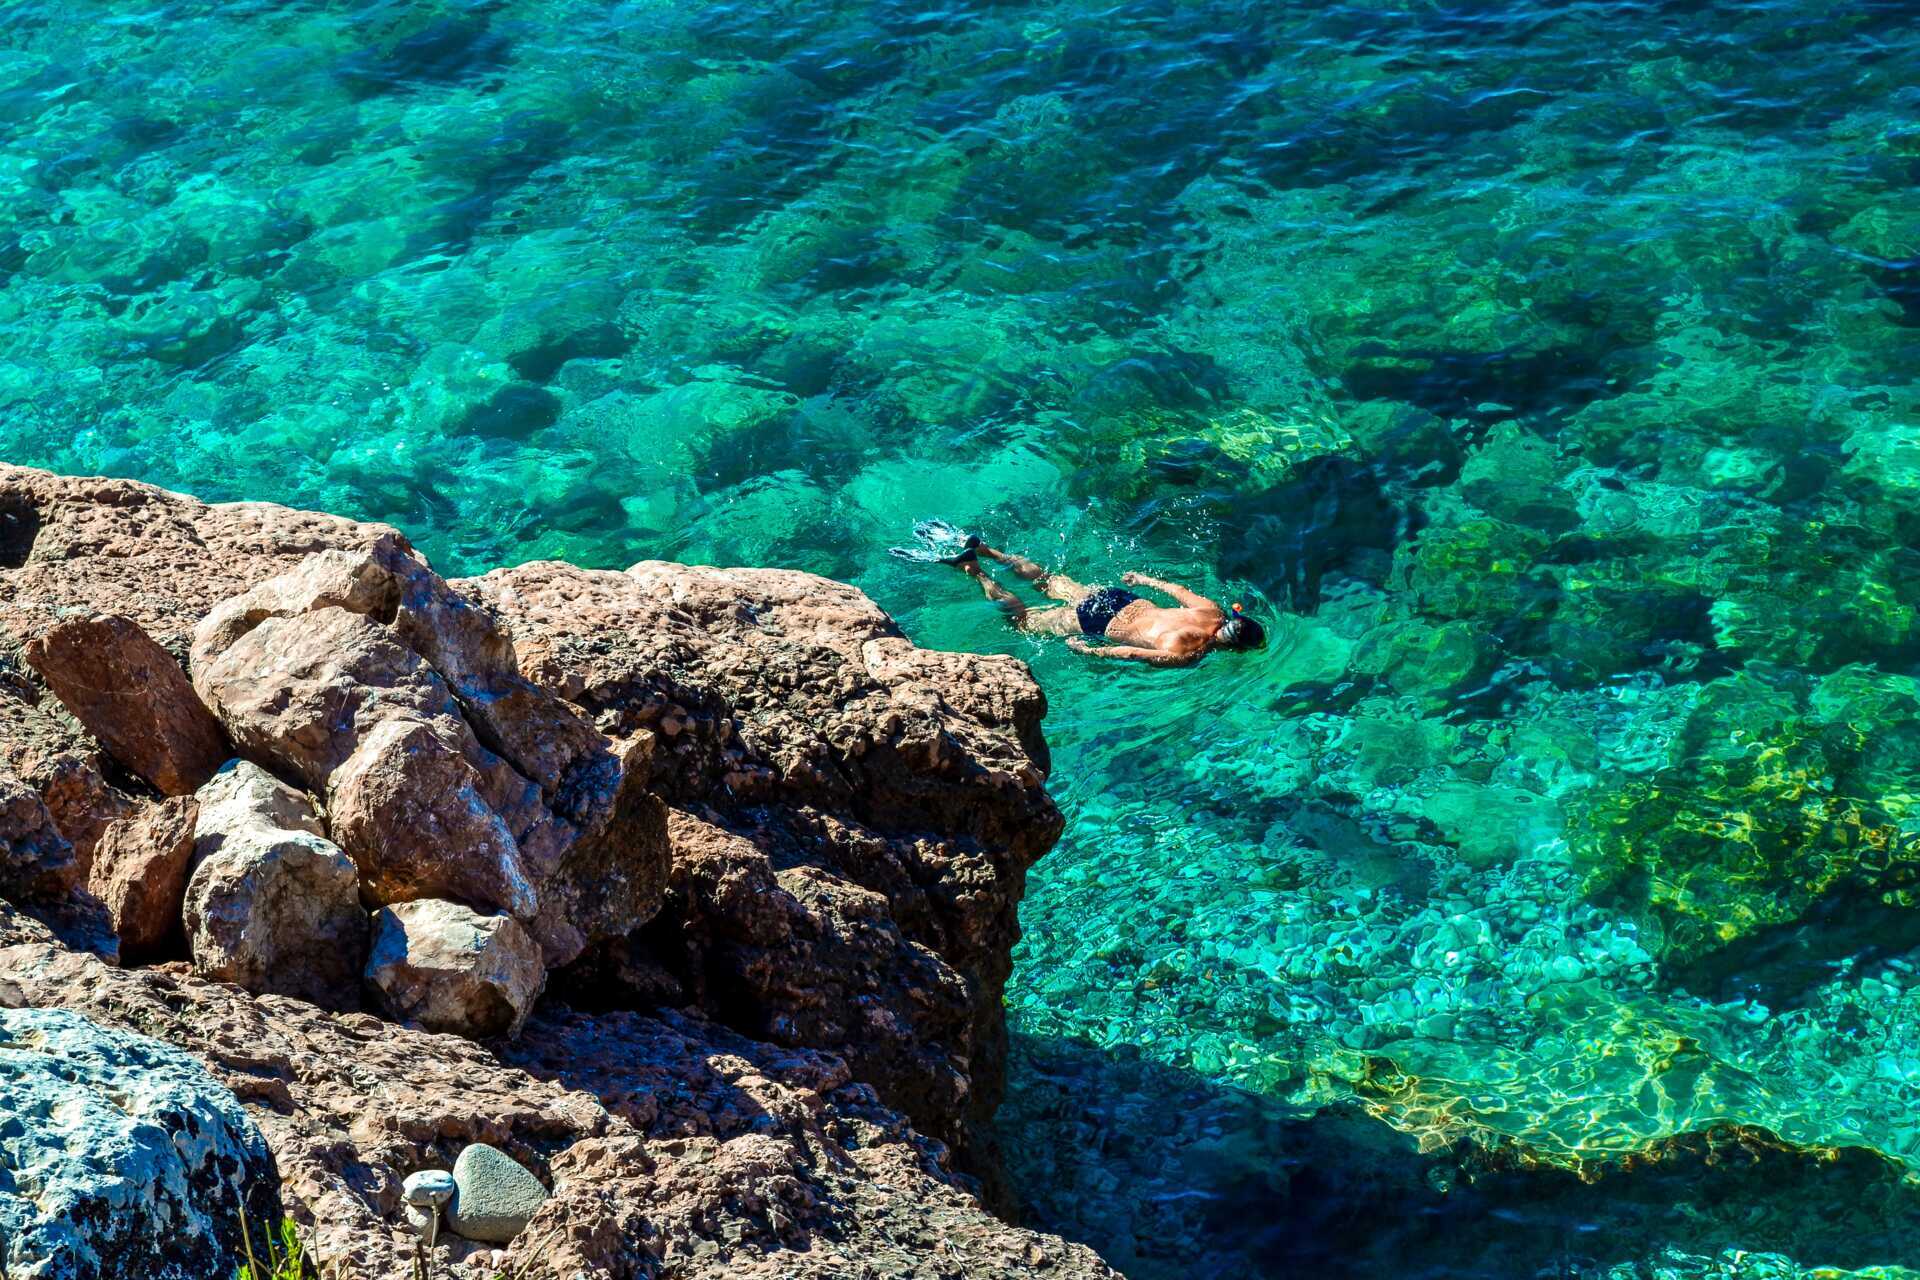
(1545, 901)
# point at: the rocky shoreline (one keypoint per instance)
(692, 890)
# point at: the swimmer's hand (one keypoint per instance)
(1191, 599)
(1081, 646)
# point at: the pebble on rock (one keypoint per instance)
(494, 1195)
(425, 1192)
(430, 1187)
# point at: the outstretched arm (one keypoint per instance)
(1191, 599)
(1132, 653)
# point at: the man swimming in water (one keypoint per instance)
(1142, 630)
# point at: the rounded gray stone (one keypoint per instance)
(494, 1196)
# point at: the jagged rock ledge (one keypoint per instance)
(714, 873)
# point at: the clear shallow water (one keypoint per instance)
(1543, 373)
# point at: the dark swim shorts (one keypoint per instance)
(1097, 610)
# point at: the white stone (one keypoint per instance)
(428, 1187)
(243, 795)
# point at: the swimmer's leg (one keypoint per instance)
(1052, 622)
(1015, 608)
(1057, 585)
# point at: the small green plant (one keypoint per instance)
(285, 1258)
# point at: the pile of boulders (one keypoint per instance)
(490, 831)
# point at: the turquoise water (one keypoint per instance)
(1542, 373)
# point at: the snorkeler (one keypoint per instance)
(1142, 630)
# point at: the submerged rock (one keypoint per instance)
(124, 1157)
(494, 1198)
(451, 969)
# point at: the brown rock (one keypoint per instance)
(16, 927)
(41, 875)
(133, 697)
(801, 957)
(37, 863)
(414, 813)
(451, 969)
(272, 909)
(797, 684)
(140, 873)
(300, 693)
(47, 749)
(613, 876)
(425, 643)
(447, 773)
(81, 545)
(84, 544)
(832, 1183)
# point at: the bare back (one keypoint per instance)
(1182, 633)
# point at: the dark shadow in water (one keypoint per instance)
(1900, 281)
(1848, 934)
(521, 148)
(448, 50)
(1170, 1175)
(1331, 515)
(514, 412)
(1485, 386)
(594, 342)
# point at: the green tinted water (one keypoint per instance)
(1543, 373)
